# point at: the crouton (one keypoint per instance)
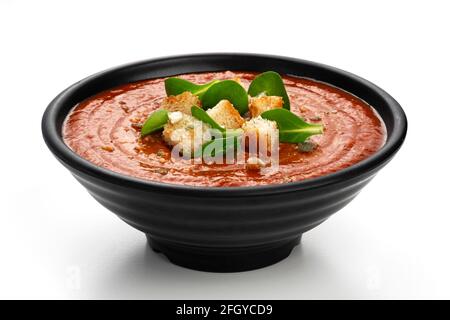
(182, 102)
(226, 115)
(238, 80)
(260, 131)
(261, 104)
(255, 163)
(185, 132)
(175, 117)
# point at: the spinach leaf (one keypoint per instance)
(229, 141)
(225, 139)
(201, 115)
(155, 122)
(175, 86)
(269, 83)
(292, 128)
(226, 90)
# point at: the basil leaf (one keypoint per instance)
(269, 83)
(201, 115)
(155, 122)
(175, 86)
(226, 90)
(229, 141)
(292, 128)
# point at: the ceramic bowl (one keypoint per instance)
(231, 228)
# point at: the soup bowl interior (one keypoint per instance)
(223, 228)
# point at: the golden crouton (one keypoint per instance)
(186, 132)
(238, 80)
(226, 115)
(261, 104)
(182, 102)
(255, 163)
(260, 131)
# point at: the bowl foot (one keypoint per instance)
(224, 259)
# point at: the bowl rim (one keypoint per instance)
(53, 138)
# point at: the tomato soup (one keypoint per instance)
(105, 129)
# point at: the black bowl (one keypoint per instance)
(231, 228)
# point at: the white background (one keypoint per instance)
(392, 241)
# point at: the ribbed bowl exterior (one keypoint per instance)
(223, 221)
(223, 229)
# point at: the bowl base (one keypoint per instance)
(223, 259)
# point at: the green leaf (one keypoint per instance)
(292, 128)
(176, 86)
(230, 140)
(155, 122)
(269, 83)
(226, 90)
(201, 115)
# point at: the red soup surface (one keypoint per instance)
(103, 129)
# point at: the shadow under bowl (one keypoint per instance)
(231, 228)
